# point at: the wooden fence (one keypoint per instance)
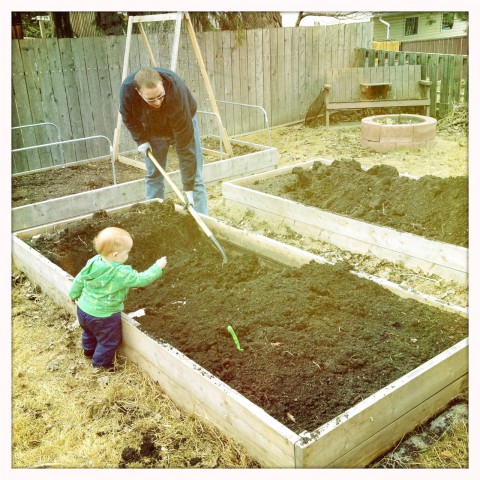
(74, 83)
(448, 74)
(452, 46)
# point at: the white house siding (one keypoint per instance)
(426, 31)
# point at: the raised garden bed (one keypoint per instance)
(420, 222)
(334, 369)
(58, 193)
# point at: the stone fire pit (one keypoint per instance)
(384, 132)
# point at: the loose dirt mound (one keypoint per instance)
(433, 207)
(316, 340)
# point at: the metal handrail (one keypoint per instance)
(220, 127)
(46, 123)
(72, 141)
(251, 106)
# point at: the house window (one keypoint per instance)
(411, 25)
(447, 20)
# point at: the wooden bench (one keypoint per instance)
(375, 87)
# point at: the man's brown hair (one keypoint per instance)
(147, 78)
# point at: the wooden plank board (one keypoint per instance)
(34, 113)
(257, 87)
(229, 118)
(445, 260)
(300, 106)
(54, 210)
(290, 73)
(51, 104)
(281, 85)
(56, 69)
(340, 50)
(108, 97)
(275, 100)
(448, 261)
(313, 83)
(349, 53)
(21, 115)
(267, 100)
(19, 160)
(377, 104)
(115, 48)
(208, 54)
(96, 95)
(72, 97)
(218, 66)
(84, 92)
(47, 134)
(360, 434)
(322, 66)
(456, 79)
(446, 76)
(405, 82)
(242, 89)
(199, 71)
(236, 110)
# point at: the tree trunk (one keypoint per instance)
(62, 28)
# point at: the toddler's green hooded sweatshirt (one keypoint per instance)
(101, 287)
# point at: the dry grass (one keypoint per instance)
(448, 450)
(67, 415)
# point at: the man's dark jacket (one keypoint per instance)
(173, 119)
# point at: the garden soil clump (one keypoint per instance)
(432, 207)
(316, 340)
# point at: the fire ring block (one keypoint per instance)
(384, 132)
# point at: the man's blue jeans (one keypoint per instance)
(101, 336)
(154, 182)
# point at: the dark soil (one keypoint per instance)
(316, 340)
(41, 186)
(433, 207)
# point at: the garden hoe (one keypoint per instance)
(190, 208)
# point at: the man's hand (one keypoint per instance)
(189, 198)
(144, 148)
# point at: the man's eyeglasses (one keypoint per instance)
(153, 100)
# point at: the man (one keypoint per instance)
(158, 110)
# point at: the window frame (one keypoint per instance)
(408, 33)
(443, 21)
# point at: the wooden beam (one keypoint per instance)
(153, 63)
(206, 80)
(116, 134)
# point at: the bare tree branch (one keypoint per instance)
(338, 15)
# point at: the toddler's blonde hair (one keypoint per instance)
(111, 239)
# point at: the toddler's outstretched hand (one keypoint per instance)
(162, 262)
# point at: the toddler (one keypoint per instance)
(100, 289)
